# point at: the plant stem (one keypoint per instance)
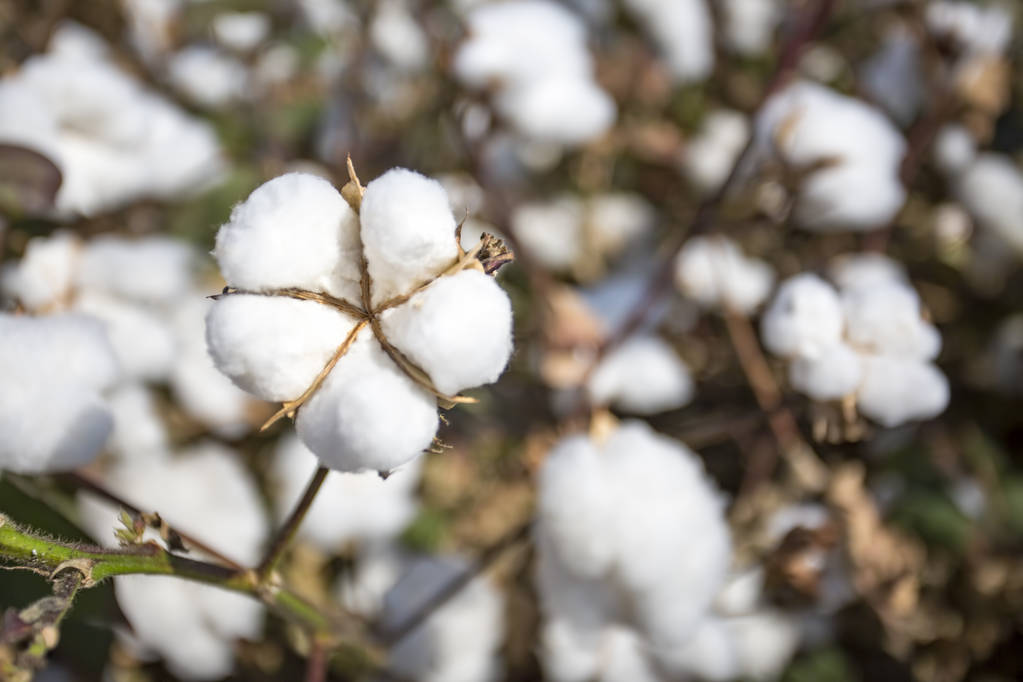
(290, 527)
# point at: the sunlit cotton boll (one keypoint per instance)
(885, 319)
(45, 274)
(707, 159)
(551, 231)
(804, 318)
(207, 493)
(853, 153)
(865, 270)
(683, 32)
(749, 24)
(643, 376)
(350, 507)
(459, 641)
(900, 389)
(207, 76)
(714, 272)
(52, 413)
(991, 189)
(241, 31)
(397, 36)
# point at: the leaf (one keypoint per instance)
(28, 181)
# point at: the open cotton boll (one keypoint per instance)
(683, 32)
(707, 159)
(52, 416)
(273, 347)
(45, 274)
(991, 188)
(367, 415)
(351, 507)
(864, 271)
(241, 31)
(643, 376)
(396, 35)
(294, 231)
(459, 641)
(749, 24)
(885, 319)
(899, 389)
(832, 373)
(142, 339)
(858, 187)
(977, 29)
(458, 330)
(893, 77)
(714, 272)
(954, 148)
(567, 111)
(150, 269)
(207, 76)
(551, 231)
(408, 231)
(804, 318)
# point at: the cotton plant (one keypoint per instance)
(714, 272)
(533, 56)
(205, 492)
(359, 311)
(845, 153)
(577, 235)
(865, 343)
(58, 369)
(113, 140)
(632, 547)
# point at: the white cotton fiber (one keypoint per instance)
(896, 390)
(708, 158)
(552, 232)
(207, 76)
(715, 272)
(350, 507)
(408, 231)
(616, 219)
(458, 331)
(954, 148)
(149, 269)
(991, 188)
(272, 346)
(295, 231)
(368, 415)
(804, 318)
(45, 274)
(682, 31)
(765, 641)
(142, 339)
(52, 415)
(139, 430)
(885, 319)
(568, 111)
(865, 270)
(241, 31)
(396, 35)
(643, 376)
(833, 373)
(749, 24)
(978, 29)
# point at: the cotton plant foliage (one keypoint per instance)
(359, 310)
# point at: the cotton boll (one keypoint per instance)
(273, 347)
(707, 159)
(625, 657)
(804, 318)
(379, 567)
(741, 593)
(143, 341)
(139, 431)
(458, 330)
(44, 275)
(833, 373)
(708, 654)
(977, 29)
(885, 319)
(893, 76)
(207, 76)
(865, 271)
(896, 390)
(367, 414)
(151, 269)
(241, 31)
(396, 35)
(750, 24)
(459, 641)
(408, 231)
(567, 111)
(551, 232)
(991, 188)
(832, 199)
(567, 654)
(616, 219)
(954, 148)
(294, 231)
(359, 507)
(714, 272)
(683, 33)
(643, 376)
(765, 641)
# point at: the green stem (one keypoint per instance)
(290, 527)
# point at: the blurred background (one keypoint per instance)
(874, 533)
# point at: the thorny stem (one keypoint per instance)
(284, 536)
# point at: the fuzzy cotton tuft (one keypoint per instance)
(714, 272)
(643, 376)
(804, 318)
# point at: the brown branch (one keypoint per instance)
(284, 536)
(316, 663)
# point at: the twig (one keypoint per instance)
(83, 482)
(316, 663)
(290, 527)
(457, 584)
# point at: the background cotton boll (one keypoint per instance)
(567, 111)
(683, 33)
(643, 376)
(139, 431)
(991, 188)
(142, 339)
(865, 270)
(408, 231)
(625, 657)
(885, 319)
(896, 390)
(551, 231)
(764, 641)
(367, 414)
(707, 159)
(458, 330)
(954, 148)
(151, 269)
(397, 36)
(978, 29)
(459, 642)
(804, 318)
(893, 76)
(207, 76)
(714, 272)
(709, 653)
(616, 219)
(379, 566)
(360, 507)
(271, 346)
(241, 31)
(833, 373)
(749, 25)
(833, 199)
(45, 274)
(293, 231)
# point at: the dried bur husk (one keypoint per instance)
(487, 256)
